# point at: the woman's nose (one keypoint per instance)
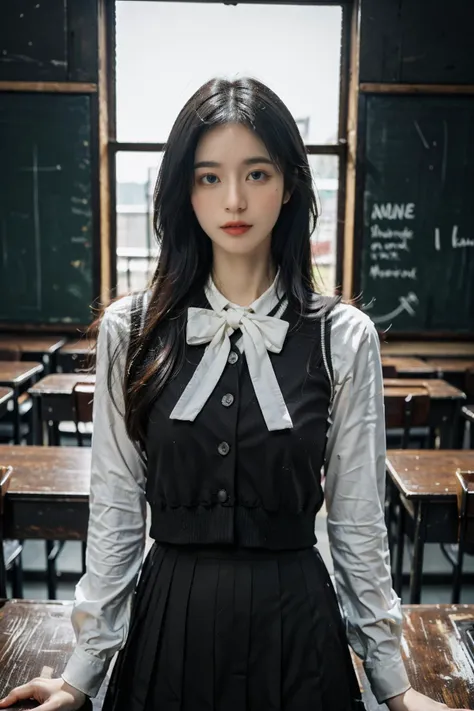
(235, 200)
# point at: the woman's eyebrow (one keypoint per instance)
(248, 161)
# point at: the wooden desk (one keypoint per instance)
(429, 349)
(452, 369)
(48, 496)
(40, 347)
(76, 355)
(409, 367)
(18, 375)
(437, 661)
(445, 407)
(6, 394)
(426, 485)
(53, 400)
(36, 639)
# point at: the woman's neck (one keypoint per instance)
(242, 280)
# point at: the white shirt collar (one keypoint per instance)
(262, 306)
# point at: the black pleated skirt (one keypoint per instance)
(234, 630)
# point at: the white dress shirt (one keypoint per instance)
(354, 493)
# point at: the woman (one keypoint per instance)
(220, 395)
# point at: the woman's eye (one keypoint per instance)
(209, 179)
(258, 176)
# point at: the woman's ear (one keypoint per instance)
(290, 187)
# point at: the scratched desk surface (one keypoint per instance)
(36, 639)
(436, 660)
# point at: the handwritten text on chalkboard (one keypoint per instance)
(388, 243)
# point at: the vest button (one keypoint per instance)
(233, 358)
(222, 496)
(223, 448)
(227, 400)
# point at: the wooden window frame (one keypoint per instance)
(338, 149)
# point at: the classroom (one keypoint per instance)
(237, 355)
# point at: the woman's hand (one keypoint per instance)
(411, 700)
(52, 694)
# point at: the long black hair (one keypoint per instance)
(185, 260)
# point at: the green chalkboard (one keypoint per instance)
(45, 208)
(417, 260)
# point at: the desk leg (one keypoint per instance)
(51, 569)
(418, 551)
(458, 428)
(449, 431)
(16, 417)
(36, 420)
(400, 548)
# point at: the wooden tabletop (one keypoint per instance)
(42, 471)
(85, 346)
(451, 365)
(429, 349)
(409, 365)
(427, 473)
(30, 343)
(60, 383)
(36, 639)
(436, 659)
(438, 389)
(404, 391)
(5, 395)
(18, 372)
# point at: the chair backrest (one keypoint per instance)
(469, 387)
(5, 476)
(389, 371)
(83, 395)
(10, 352)
(406, 408)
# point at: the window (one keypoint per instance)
(166, 50)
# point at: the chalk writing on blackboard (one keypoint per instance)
(456, 242)
(406, 304)
(389, 243)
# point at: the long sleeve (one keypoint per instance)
(354, 492)
(116, 531)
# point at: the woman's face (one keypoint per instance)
(236, 182)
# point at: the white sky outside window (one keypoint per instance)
(166, 50)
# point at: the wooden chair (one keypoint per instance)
(402, 411)
(14, 353)
(389, 371)
(10, 551)
(406, 410)
(10, 352)
(83, 395)
(465, 499)
(467, 412)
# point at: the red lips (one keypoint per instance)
(236, 227)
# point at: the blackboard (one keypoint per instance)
(417, 259)
(46, 212)
(56, 40)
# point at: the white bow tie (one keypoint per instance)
(259, 335)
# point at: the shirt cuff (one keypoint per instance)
(85, 672)
(388, 679)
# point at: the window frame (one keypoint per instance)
(339, 149)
